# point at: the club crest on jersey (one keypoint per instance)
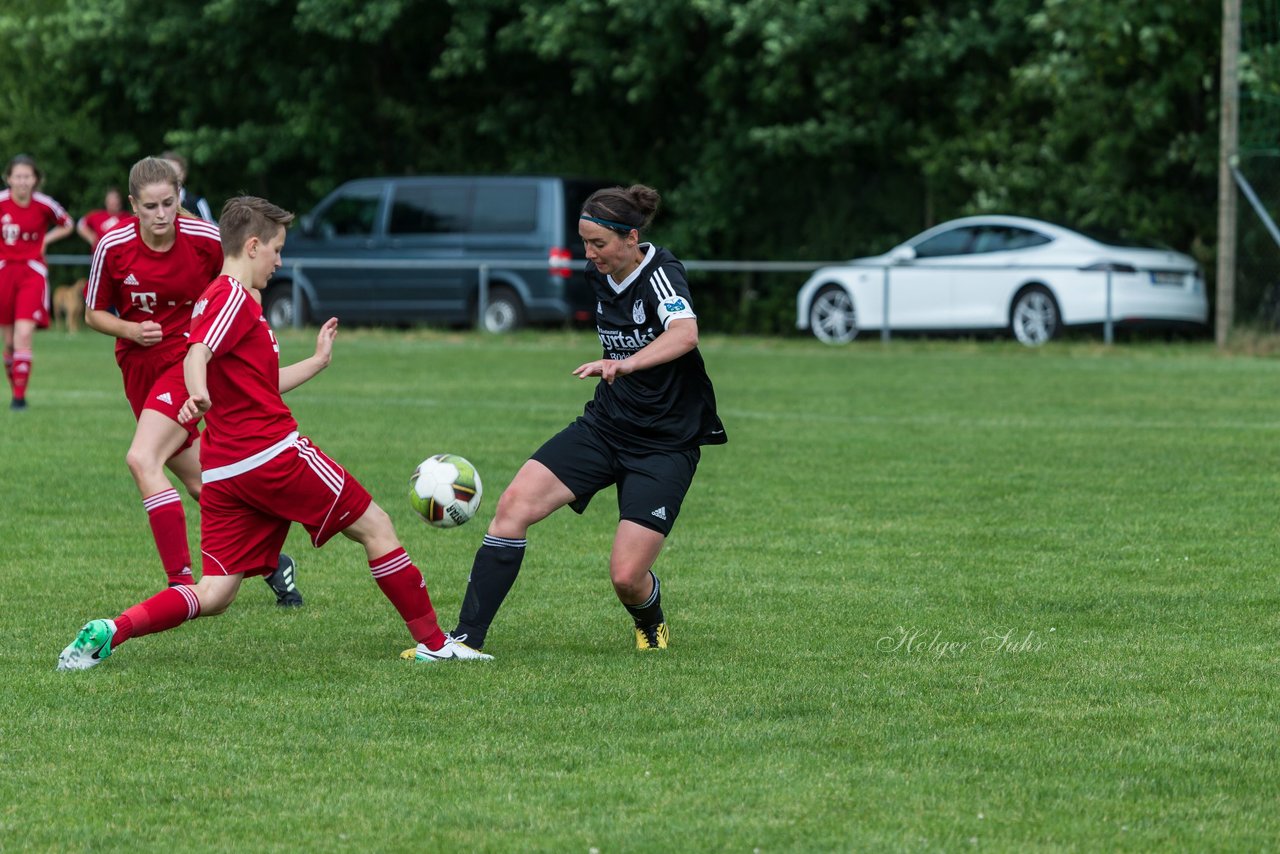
(637, 311)
(200, 307)
(675, 305)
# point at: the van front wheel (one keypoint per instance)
(279, 308)
(504, 311)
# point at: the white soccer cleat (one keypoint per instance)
(90, 647)
(452, 649)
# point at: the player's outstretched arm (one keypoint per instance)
(292, 376)
(195, 371)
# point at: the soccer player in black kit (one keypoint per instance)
(653, 410)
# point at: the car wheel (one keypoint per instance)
(832, 317)
(504, 312)
(1034, 318)
(279, 308)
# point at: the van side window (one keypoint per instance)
(430, 210)
(505, 210)
(351, 214)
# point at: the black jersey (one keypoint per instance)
(667, 407)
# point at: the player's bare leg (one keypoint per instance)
(156, 439)
(19, 339)
(635, 550)
(402, 583)
(166, 610)
(533, 495)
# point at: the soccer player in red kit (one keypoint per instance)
(29, 221)
(259, 474)
(95, 224)
(145, 277)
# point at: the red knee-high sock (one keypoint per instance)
(401, 582)
(21, 373)
(169, 527)
(168, 609)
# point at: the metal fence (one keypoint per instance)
(297, 270)
(298, 267)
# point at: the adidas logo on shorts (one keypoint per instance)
(166, 397)
(660, 513)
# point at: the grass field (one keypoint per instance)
(931, 596)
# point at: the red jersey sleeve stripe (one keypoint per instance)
(199, 228)
(58, 212)
(105, 245)
(225, 317)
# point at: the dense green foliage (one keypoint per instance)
(1111, 512)
(779, 129)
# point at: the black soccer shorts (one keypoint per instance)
(651, 484)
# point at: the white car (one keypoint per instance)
(986, 273)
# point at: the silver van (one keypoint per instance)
(438, 218)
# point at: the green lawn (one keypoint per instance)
(931, 596)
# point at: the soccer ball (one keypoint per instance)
(445, 490)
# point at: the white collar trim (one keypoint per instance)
(650, 250)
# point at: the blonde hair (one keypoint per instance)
(152, 170)
(244, 217)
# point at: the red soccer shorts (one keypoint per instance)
(24, 293)
(157, 384)
(244, 518)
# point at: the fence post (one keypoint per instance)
(884, 325)
(482, 301)
(1108, 334)
(297, 296)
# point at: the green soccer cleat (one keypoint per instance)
(90, 647)
(452, 649)
(652, 637)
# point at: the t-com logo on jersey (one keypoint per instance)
(145, 300)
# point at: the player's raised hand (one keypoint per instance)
(324, 340)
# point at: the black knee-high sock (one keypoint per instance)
(648, 612)
(494, 571)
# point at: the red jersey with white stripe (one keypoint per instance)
(143, 284)
(22, 229)
(247, 415)
(100, 222)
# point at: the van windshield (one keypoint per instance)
(352, 213)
